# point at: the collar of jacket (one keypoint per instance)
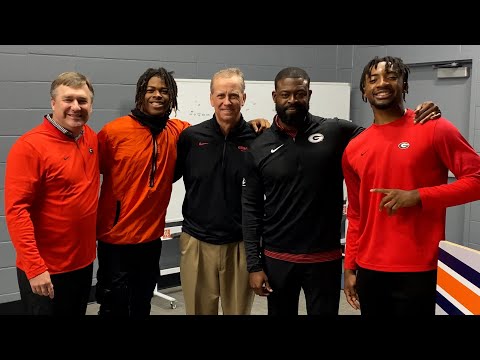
(236, 130)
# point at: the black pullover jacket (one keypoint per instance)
(213, 167)
(293, 192)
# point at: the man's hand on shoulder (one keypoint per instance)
(259, 125)
(426, 111)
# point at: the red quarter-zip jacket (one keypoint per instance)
(51, 196)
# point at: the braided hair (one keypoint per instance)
(167, 77)
(395, 64)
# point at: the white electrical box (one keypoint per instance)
(452, 72)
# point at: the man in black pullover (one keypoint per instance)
(211, 158)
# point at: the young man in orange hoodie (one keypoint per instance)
(137, 161)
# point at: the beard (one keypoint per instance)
(292, 119)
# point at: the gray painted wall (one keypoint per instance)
(26, 72)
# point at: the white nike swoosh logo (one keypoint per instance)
(273, 150)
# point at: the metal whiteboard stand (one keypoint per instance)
(173, 301)
(172, 231)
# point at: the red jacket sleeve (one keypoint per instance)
(462, 160)
(22, 184)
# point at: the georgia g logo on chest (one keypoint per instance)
(316, 138)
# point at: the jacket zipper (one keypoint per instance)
(154, 161)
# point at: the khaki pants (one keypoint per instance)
(210, 273)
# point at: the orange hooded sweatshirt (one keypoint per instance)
(51, 196)
(137, 180)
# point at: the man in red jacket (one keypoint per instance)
(51, 193)
(401, 170)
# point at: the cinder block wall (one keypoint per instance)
(26, 72)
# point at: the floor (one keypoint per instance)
(164, 305)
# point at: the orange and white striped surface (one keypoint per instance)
(458, 280)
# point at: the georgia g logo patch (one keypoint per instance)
(316, 138)
(403, 145)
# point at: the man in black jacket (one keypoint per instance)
(211, 159)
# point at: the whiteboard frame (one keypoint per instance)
(329, 99)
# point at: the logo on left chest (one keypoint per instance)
(316, 138)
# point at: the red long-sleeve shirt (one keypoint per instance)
(51, 195)
(401, 155)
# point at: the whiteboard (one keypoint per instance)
(329, 99)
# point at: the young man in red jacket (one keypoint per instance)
(396, 176)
